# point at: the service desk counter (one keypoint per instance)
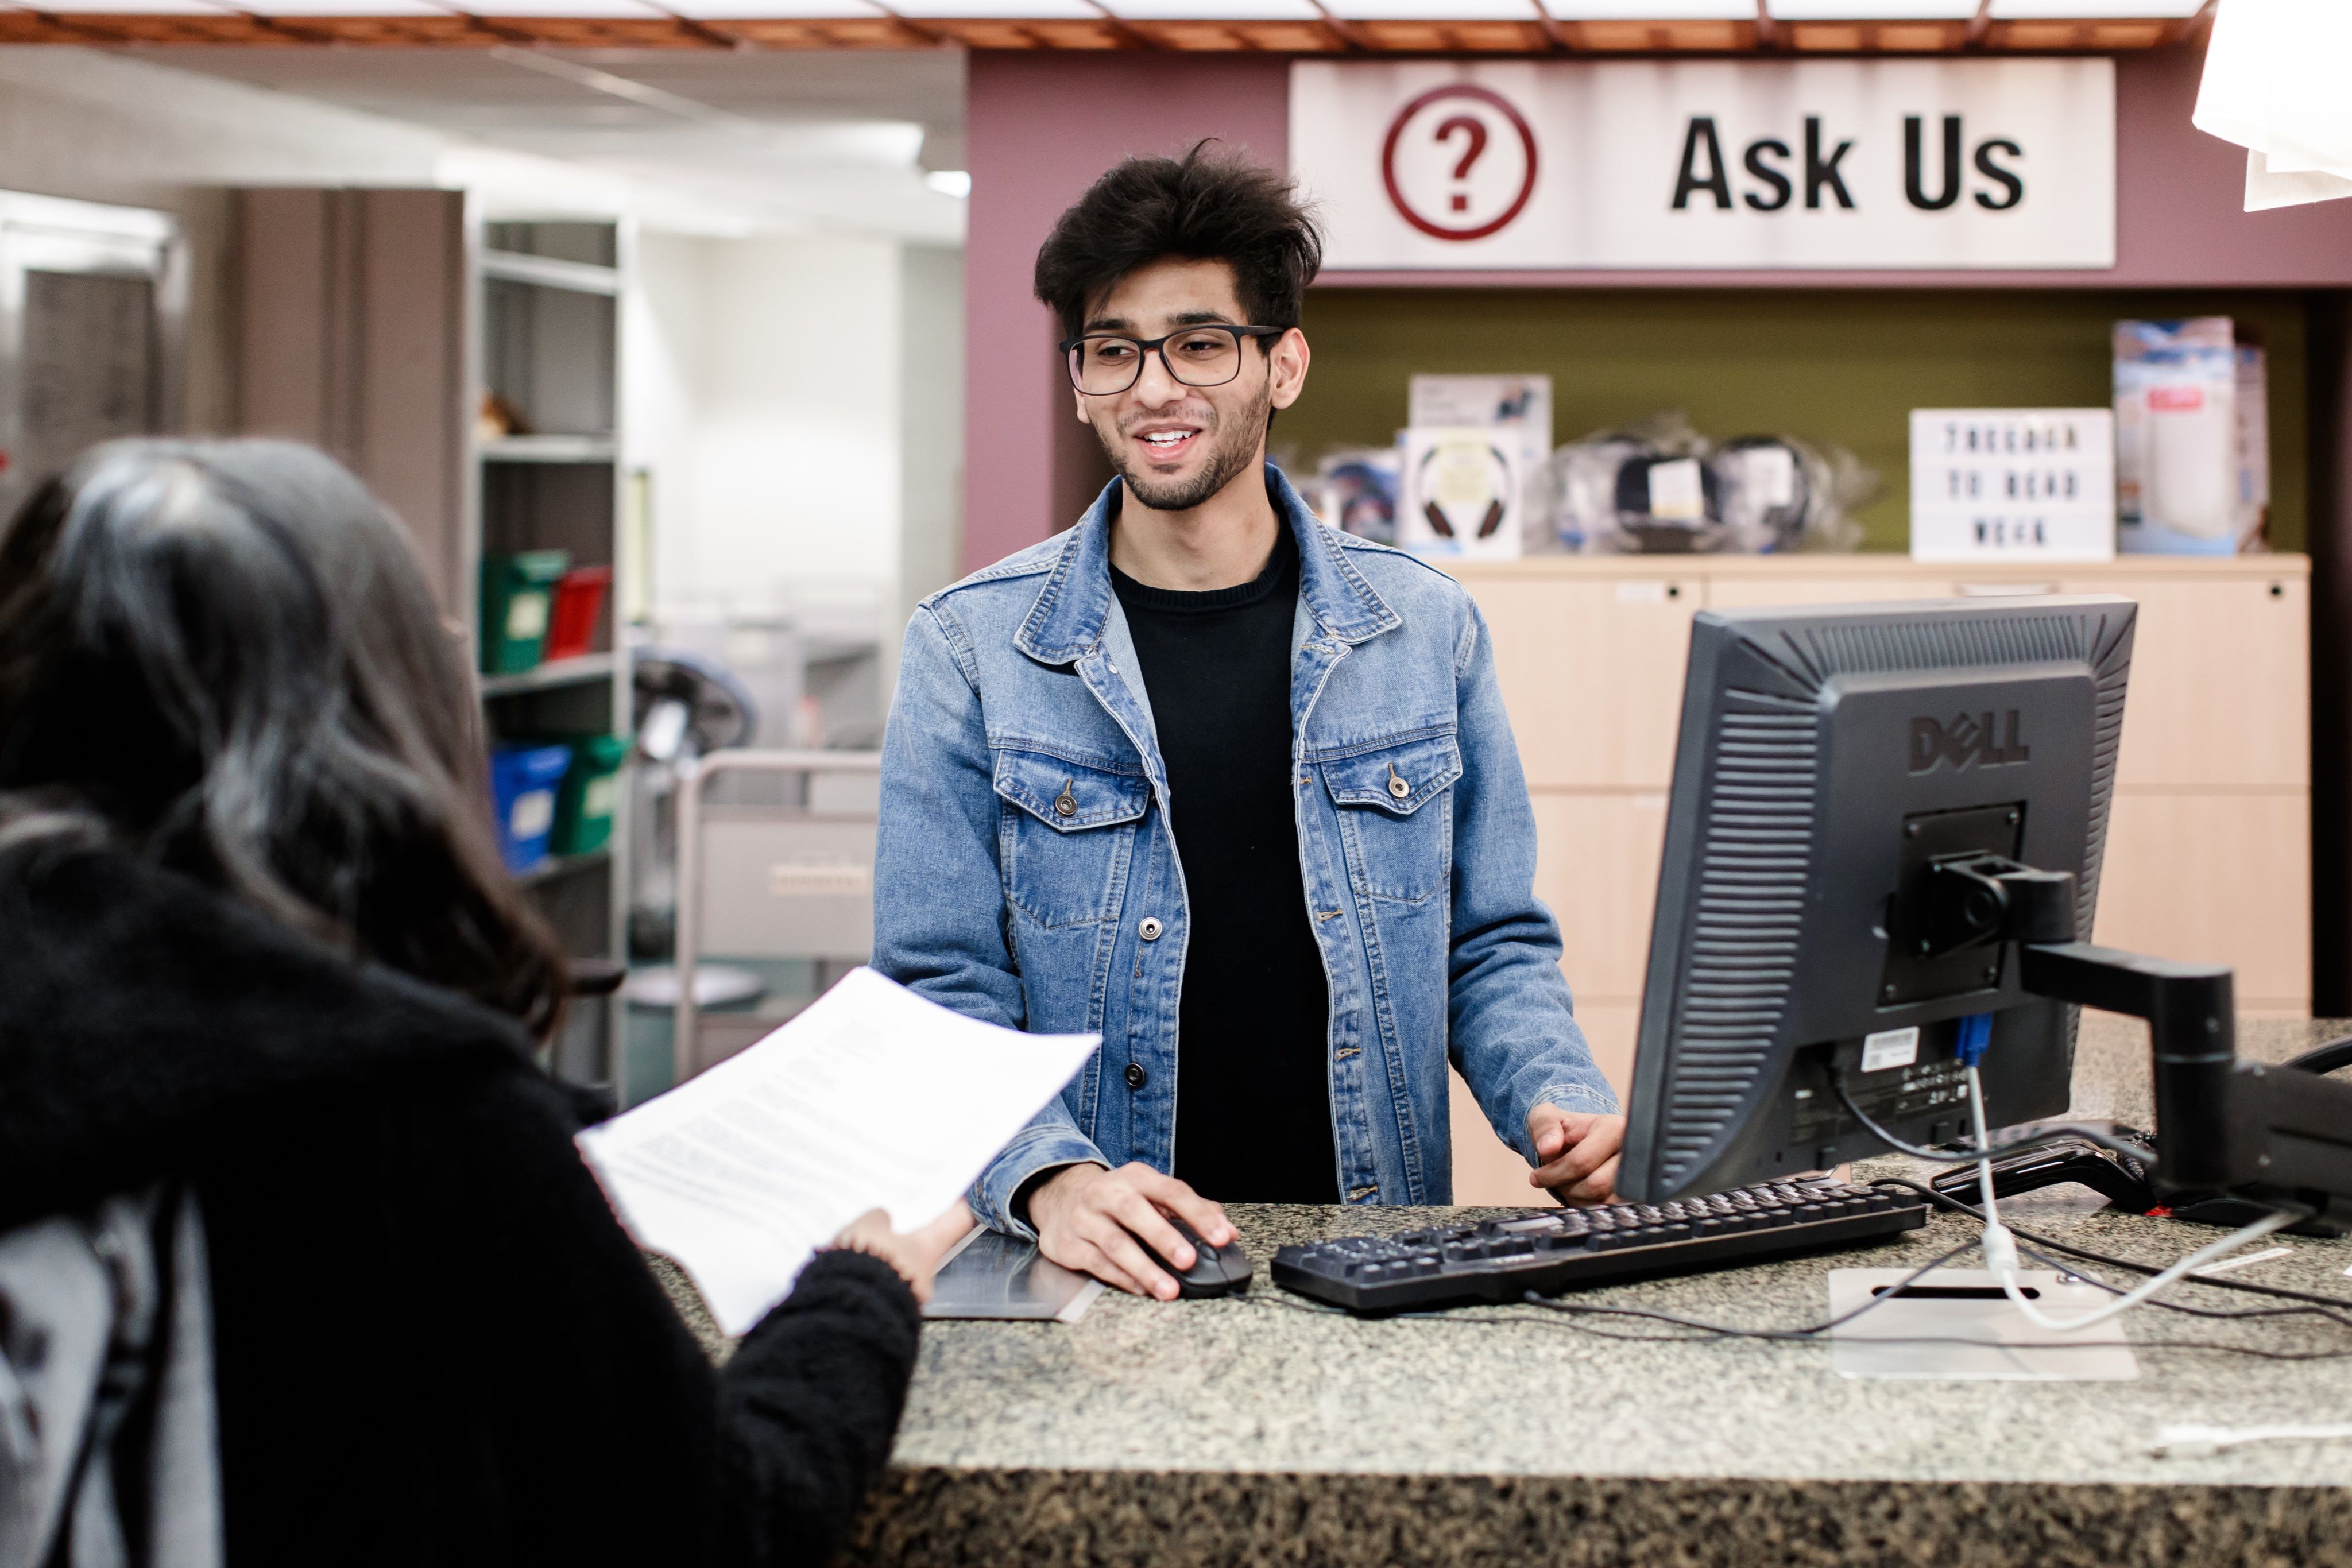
(1265, 1429)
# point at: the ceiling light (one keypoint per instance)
(1214, 10)
(956, 182)
(1873, 10)
(2088, 10)
(1652, 10)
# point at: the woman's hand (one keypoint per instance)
(915, 1254)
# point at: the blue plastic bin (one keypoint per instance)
(524, 782)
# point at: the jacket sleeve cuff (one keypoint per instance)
(1586, 1097)
(1038, 1149)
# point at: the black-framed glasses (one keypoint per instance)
(1104, 363)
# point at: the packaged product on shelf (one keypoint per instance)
(2180, 457)
(1781, 494)
(1647, 490)
(1660, 487)
(1460, 493)
(1517, 404)
(1357, 491)
(2253, 444)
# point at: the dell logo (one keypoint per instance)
(1967, 739)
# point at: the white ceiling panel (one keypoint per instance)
(342, 8)
(1436, 10)
(595, 8)
(1214, 10)
(784, 10)
(2091, 10)
(1652, 10)
(989, 10)
(1873, 10)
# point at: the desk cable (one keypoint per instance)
(2000, 1242)
(2336, 1309)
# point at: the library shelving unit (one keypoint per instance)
(380, 324)
(547, 296)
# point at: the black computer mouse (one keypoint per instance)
(1215, 1270)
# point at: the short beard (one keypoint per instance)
(1235, 452)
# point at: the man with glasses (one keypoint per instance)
(1229, 787)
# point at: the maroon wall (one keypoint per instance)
(1043, 124)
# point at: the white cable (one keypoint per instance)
(2001, 1247)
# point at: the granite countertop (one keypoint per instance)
(1267, 1427)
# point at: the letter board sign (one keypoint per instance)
(1701, 164)
(2012, 484)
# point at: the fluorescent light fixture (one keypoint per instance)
(2091, 10)
(1873, 10)
(1005, 10)
(956, 182)
(1435, 10)
(1214, 10)
(1652, 10)
(780, 10)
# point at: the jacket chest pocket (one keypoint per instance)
(1065, 835)
(1396, 815)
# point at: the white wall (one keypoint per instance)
(798, 401)
(102, 128)
(931, 421)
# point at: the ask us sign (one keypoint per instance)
(1710, 164)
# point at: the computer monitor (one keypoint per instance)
(1851, 786)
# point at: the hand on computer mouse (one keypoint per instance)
(1577, 1151)
(1099, 1221)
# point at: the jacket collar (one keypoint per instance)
(1066, 622)
(143, 1014)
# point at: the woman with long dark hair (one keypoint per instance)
(260, 963)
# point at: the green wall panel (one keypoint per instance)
(1836, 366)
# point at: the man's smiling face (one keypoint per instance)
(1177, 445)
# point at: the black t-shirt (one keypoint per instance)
(1254, 1100)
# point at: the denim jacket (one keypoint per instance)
(1026, 873)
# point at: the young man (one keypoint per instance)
(1232, 788)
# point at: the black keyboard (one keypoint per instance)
(1555, 1249)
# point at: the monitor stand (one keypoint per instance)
(2253, 1130)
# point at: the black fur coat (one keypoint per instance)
(433, 1343)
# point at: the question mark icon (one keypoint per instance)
(1475, 130)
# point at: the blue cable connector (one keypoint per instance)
(1975, 1039)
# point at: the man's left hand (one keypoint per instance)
(1578, 1153)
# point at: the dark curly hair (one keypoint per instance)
(220, 655)
(1206, 206)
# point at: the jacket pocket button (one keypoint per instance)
(1136, 1077)
(1063, 804)
(1398, 787)
(1150, 928)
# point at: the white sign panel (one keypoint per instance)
(1701, 164)
(2012, 484)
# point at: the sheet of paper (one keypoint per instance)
(872, 1098)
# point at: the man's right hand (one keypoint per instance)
(1091, 1219)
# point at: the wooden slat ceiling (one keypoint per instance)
(1330, 35)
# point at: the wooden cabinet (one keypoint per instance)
(1582, 658)
(2208, 850)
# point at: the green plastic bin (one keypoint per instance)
(518, 602)
(592, 793)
